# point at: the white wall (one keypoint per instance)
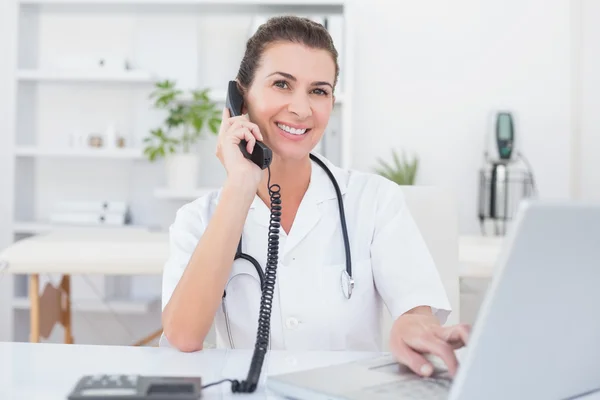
(590, 101)
(430, 73)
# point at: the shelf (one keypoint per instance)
(130, 306)
(229, 3)
(86, 76)
(187, 195)
(122, 154)
(36, 227)
(316, 7)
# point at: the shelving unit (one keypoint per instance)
(64, 153)
(85, 75)
(56, 98)
(37, 227)
(179, 195)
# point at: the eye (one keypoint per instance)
(281, 84)
(321, 92)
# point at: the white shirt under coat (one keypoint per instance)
(390, 262)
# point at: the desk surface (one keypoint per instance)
(30, 371)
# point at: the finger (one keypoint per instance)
(456, 336)
(251, 126)
(436, 346)
(249, 137)
(411, 358)
(254, 129)
(225, 114)
(251, 142)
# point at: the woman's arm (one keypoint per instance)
(411, 287)
(189, 314)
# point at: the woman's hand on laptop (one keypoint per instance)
(418, 332)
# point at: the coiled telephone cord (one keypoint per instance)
(264, 320)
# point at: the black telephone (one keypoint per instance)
(261, 154)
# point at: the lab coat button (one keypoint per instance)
(291, 323)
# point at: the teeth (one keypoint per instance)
(291, 130)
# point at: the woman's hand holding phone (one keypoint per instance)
(232, 131)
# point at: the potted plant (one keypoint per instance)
(402, 171)
(188, 116)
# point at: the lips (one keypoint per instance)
(292, 130)
(294, 134)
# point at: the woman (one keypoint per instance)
(287, 77)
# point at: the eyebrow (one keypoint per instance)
(293, 78)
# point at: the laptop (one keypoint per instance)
(537, 334)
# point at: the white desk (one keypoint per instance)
(40, 371)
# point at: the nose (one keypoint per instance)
(300, 105)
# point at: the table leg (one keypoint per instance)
(149, 338)
(65, 285)
(34, 312)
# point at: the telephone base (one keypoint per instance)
(136, 387)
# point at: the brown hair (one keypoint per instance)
(284, 28)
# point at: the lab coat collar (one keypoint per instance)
(320, 187)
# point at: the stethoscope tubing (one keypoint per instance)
(347, 282)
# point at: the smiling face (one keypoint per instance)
(291, 98)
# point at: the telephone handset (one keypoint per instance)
(261, 154)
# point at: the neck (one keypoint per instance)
(293, 176)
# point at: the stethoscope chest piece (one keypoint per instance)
(347, 284)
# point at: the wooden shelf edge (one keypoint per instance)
(167, 194)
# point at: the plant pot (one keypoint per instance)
(182, 171)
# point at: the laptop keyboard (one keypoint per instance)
(435, 388)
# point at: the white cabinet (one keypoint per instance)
(478, 256)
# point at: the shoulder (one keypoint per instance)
(367, 188)
(194, 216)
(368, 183)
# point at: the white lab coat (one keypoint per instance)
(390, 262)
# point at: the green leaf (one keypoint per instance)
(157, 133)
(214, 125)
(402, 171)
(185, 121)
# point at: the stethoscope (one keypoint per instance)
(346, 280)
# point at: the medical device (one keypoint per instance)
(262, 156)
(503, 183)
